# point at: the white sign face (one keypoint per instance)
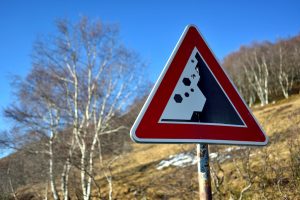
(186, 97)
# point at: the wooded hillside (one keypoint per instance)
(266, 71)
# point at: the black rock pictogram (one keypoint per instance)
(177, 98)
(186, 81)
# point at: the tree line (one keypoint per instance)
(266, 71)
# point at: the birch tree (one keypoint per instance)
(266, 70)
(233, 64)
(256, 67)
(38, 115)
(285, 64)
(251, 71)
(286, 71)
(82, 80)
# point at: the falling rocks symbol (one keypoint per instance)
(217, 108)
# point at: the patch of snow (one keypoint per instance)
(178, 160)
(213, 155)
(227, 157)
(182, 160)
(230, 149)
(188, 159)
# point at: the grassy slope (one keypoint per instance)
(135, 175)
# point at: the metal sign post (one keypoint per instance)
(203, 172)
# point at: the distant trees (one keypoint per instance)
(81, 83)
(266, 70)
(287, 65)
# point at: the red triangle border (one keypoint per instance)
(147, 128)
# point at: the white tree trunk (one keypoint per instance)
(258, 77)
(66, 171)
(51, 175)
(83, 173)
(285, 78)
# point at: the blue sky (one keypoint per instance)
(151, 28)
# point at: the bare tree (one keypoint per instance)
(256, 67)
(82, 80)
(284, 66)
(233, 65)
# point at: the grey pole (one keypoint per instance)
(204, 172)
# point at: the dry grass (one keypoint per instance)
(135, 175)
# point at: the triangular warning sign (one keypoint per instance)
(194, 101)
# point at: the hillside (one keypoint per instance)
(164, 171)
(137, 175)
